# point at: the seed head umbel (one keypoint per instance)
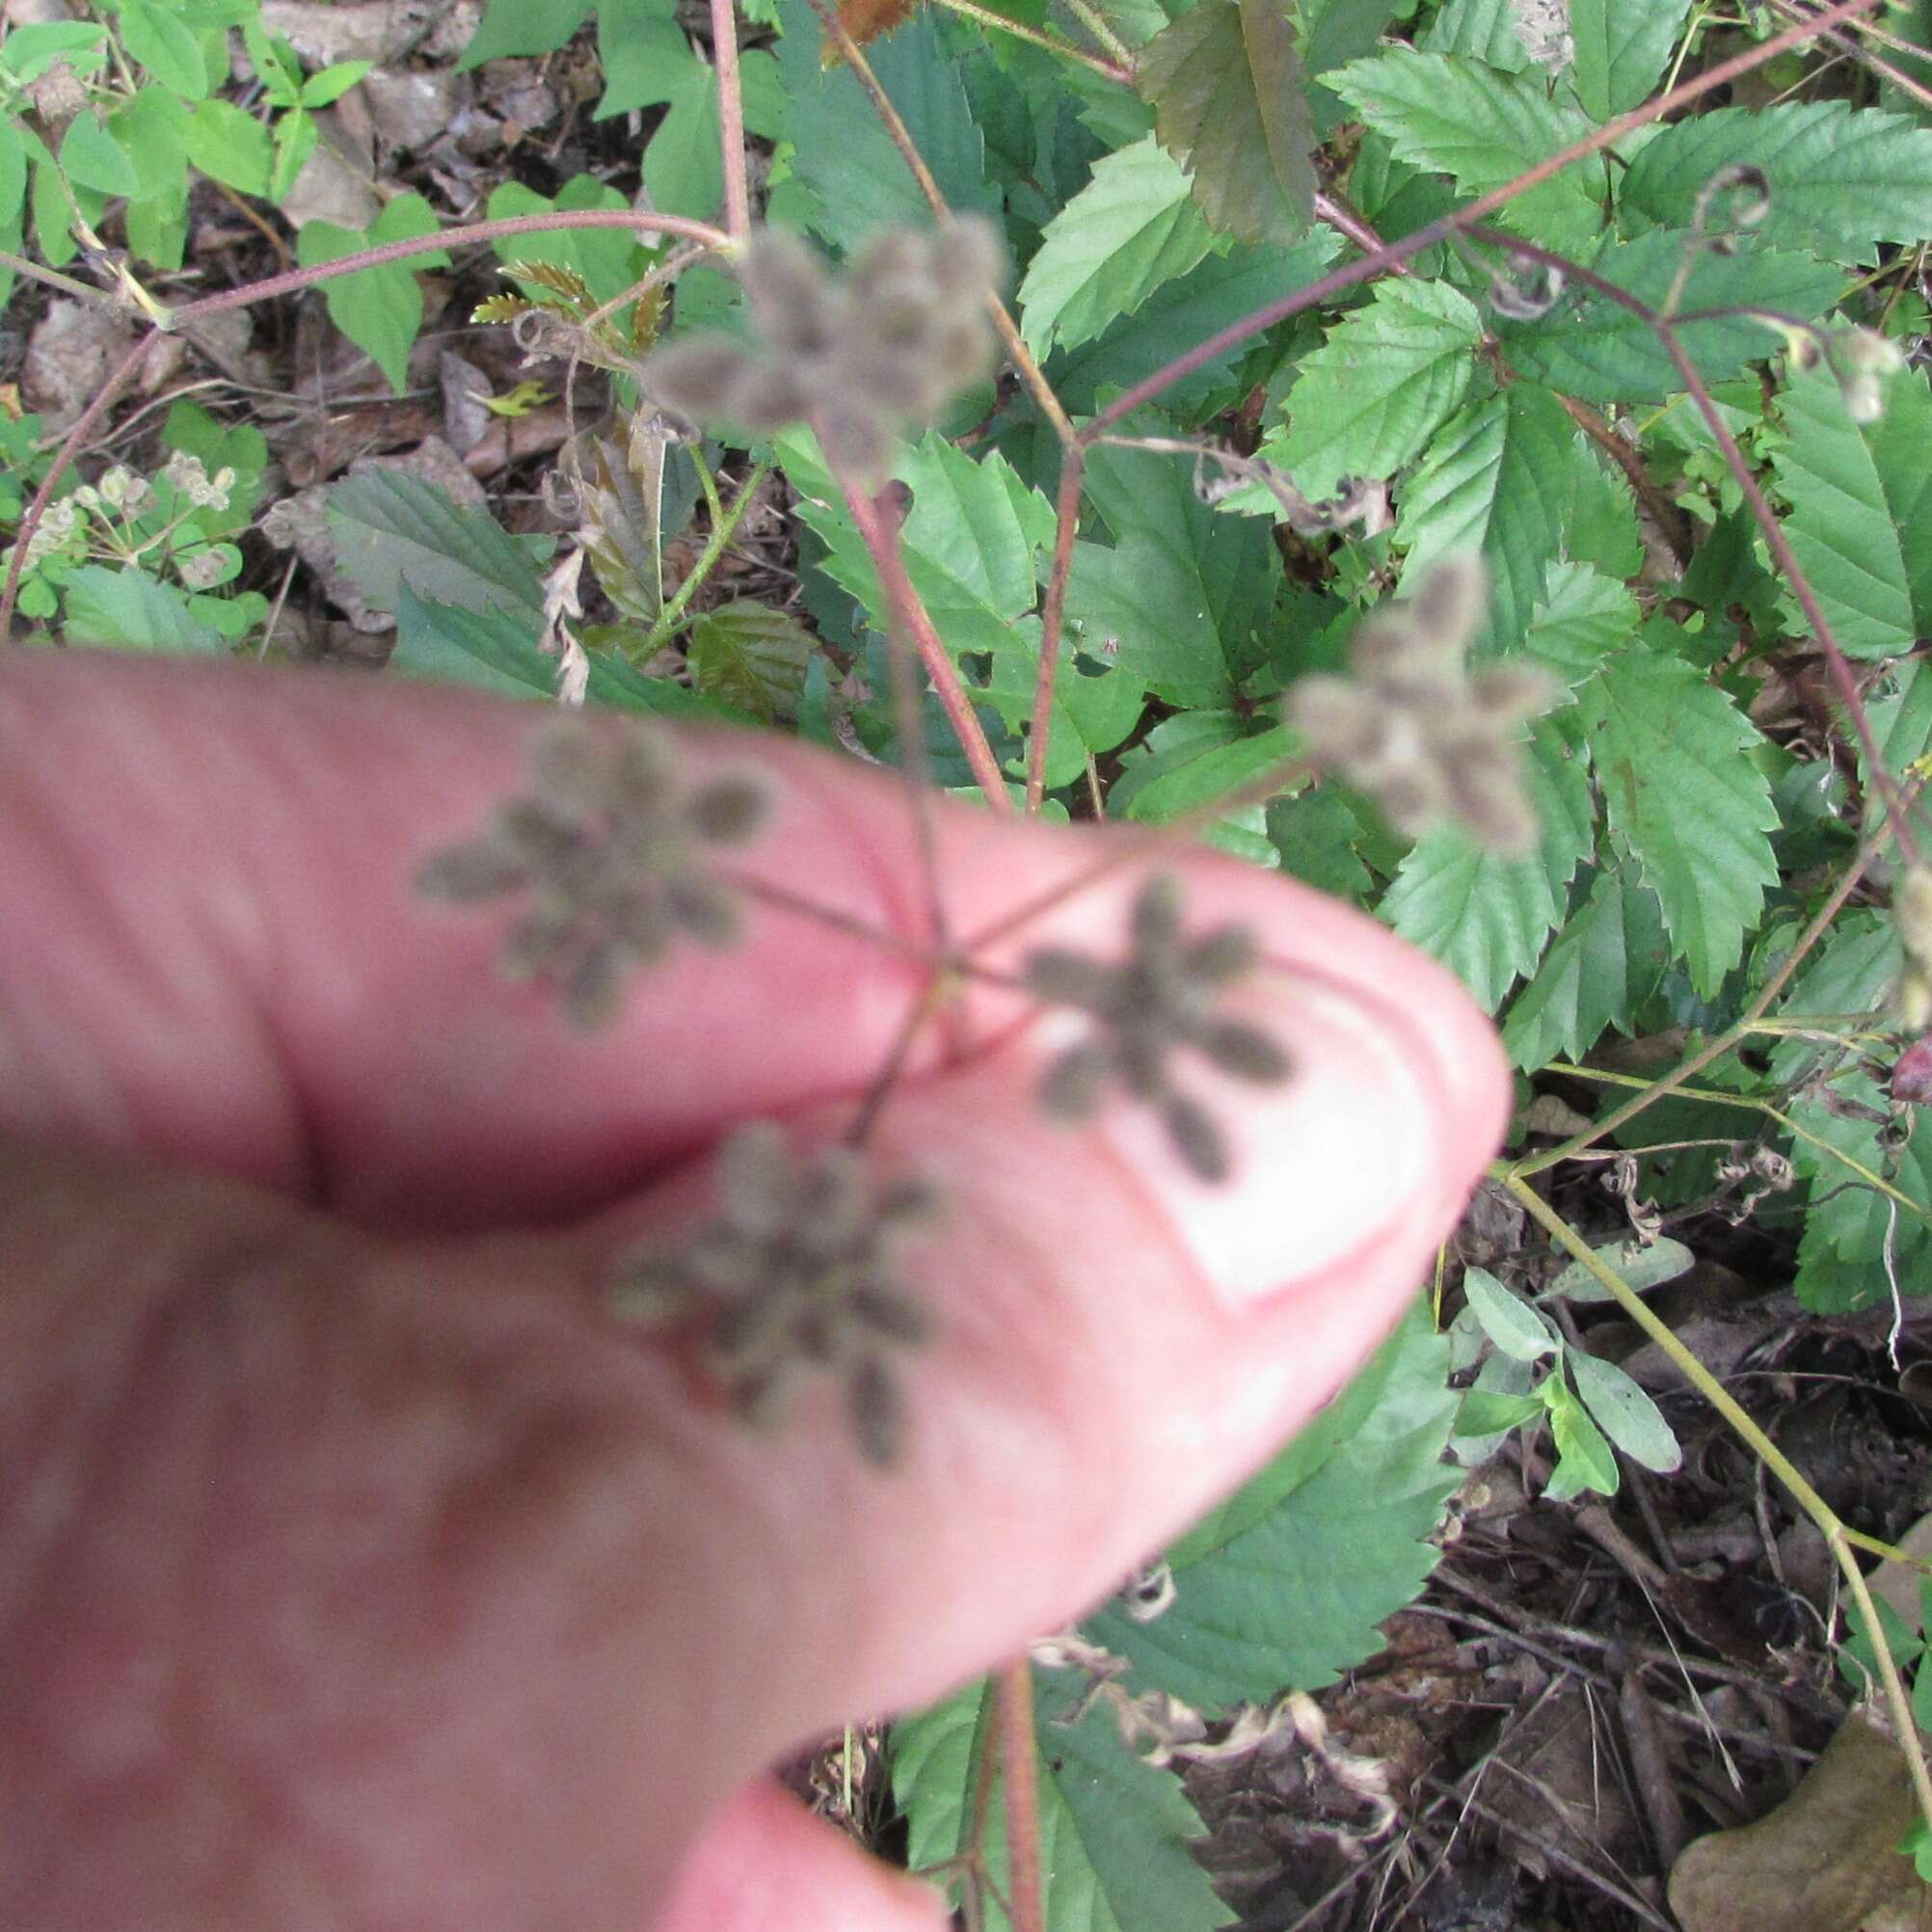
(1164, 999)
(797, 1272)
(1415, 727)
(611, 850)
(861, 355)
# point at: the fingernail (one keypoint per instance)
(1324, 1164)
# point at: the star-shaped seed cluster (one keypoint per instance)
(1163, 1000)
(1426, 738)
(859, 355)
(798, 1272)
(612, 849)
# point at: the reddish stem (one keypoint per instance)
(730, 118)
(1781, 554)
(1395, 252)
(909, 612)
(1020, 1789)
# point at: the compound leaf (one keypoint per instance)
(1584, 982)
(1389, 375)
(1230, 100)
(1621, 48)
(1493, 480)
(1481, 128)
(1486, 917)
(1670, 754)
(1860, 500)
(1132, 228)
(1841, 180)
(1591, 347)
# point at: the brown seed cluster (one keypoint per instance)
(1161, 999)
(1423, 735)
(610, 849)
(858, 356)
(797, 1272)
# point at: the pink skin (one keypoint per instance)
(356, 1570)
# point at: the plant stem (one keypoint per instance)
(1782, 554)
(1095, 22)
(1053, 613)
(730, 118)
(900, 135)
(1392, 253)
(84, 291)
(1808, 1499)
(1052, 43)
(1020, 1789)
(724, 527)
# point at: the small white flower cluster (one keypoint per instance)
(119, 490)
(189, 476)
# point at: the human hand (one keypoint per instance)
(357, 1569)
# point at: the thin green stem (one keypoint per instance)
(1052, 43)
(1053, 614)
(1774, 1459)
(84, 291)
(724, 527)
(1096, 23)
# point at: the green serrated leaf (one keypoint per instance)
(1506, 1318)
(494, 649)
(1625, 1413)
(1115, 1831)
(1180, 598)
(1480, 127)
(1622, 47)
(1584, 982)
(1187, 309)
(129, 609)
(1582, 617)
(1485, 28)
(1861, 503)
(1588, 346)
(972, 544)
(1492, 480)
(1389, 375)
(1132, 228)
(394, 533)
(380, 309)
(1230, 100)
(1842, 179)
(1287, 1581)
(752, 657)
(1487, 917)
(606, 260)
(1669, 753)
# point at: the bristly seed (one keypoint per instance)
(609, 848)
(1164, 997)
(798, 1270)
